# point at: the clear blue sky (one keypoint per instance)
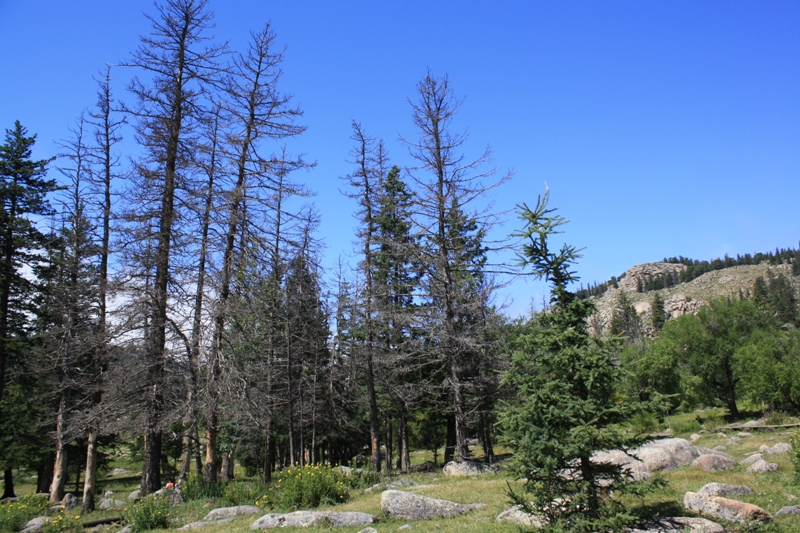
(662, 127)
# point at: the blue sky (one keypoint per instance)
(662, 127)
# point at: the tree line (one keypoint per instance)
(174, 296)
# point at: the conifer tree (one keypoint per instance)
(23, 198)
(565, 409)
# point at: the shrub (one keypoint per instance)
(196, 488)
(308, 486)
(150, 513)
(14, 516)
(241, 493)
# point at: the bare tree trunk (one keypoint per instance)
(60, 465)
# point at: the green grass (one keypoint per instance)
(773, 490)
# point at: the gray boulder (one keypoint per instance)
(781, 447)
(712, 462)
(230, 512)
(201, 524)
(410, 506)
(369, 530)
(733, 441)
(134, 495)
(468, 468)
(69, 502)
(724, 508)
(35, 525)
(680, 524)
(752, 459)
(761, 466)
(313, 518)
(516, 515)
(110, 503)
(792, 509)
(173, 495)
(744, 434)
(722, 489)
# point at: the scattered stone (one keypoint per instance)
(733, 441)
(724, 508)
(694, 437)
(781, 447)
(118, 472)
(404, 527)
(230, 512)
(373, 488)
(174, 495)
(108, 494)
(313, 518)
(35, 525)
(680, 524)
(468, 468)
(725, 490)
(764, 448)
(664, 454)
(516, 515)
(751, 423)
(425, 466)
(719, 448)
(744, 434)
(110, 503)
(126, 529)
(761, 466)
(69, 502)
(792, 509)
(415, 507)
(201, 524)
(134, 495)
(369, 530)
(722, 435)
(712, 462)
(402, 482)
(346, 470)
(752, 459)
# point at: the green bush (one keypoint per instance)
(305, 487)
(196, 488)
(244, 493)
(149, 513)
(14, 516)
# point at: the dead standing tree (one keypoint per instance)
(169, 105)
(448, 186)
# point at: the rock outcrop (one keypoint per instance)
(712, 462)
(516, 515)
(761, 466)
(468, 468)
(723, 508)
(230, 512)
(680, 524)
(664, 454)
(410, 506)
(313, 518)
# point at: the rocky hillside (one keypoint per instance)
(684, 297)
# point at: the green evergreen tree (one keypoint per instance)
(566, 406)
(23, 198)
(658, 314)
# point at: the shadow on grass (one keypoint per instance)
(655, 510)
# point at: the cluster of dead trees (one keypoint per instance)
(178, 300)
